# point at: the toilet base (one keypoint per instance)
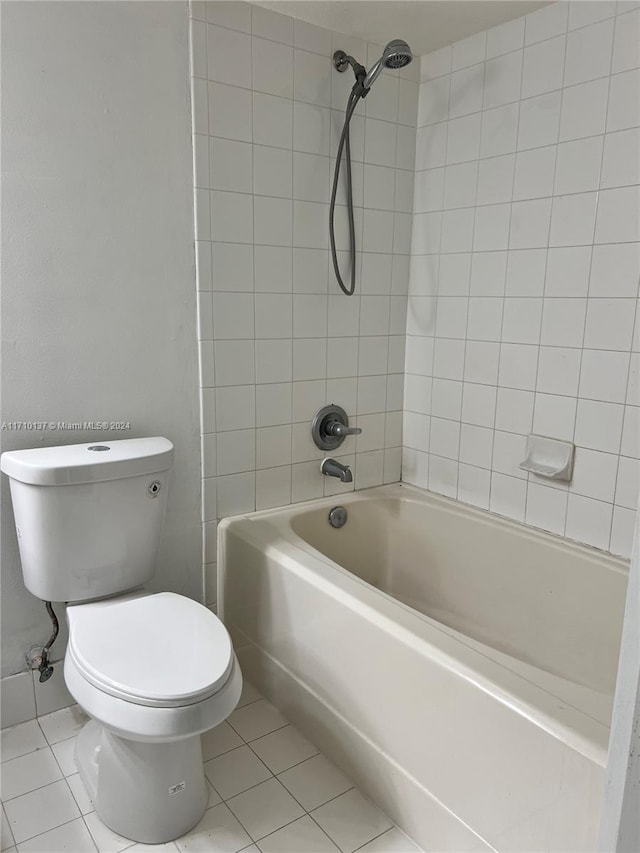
(149, 792)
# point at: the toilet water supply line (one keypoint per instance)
(38, 656)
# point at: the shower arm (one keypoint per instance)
(341, 62)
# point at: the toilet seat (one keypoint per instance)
(162, 650)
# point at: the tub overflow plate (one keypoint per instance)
(338, 517)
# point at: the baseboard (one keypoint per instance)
(24, 698)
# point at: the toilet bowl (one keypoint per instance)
(153, 671)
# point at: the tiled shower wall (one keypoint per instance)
(277, 338)
(523, 302)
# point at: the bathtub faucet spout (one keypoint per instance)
(331, 468)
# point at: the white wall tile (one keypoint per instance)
(526, 272)
(573, 219)
(508, 496)
(546, 508)
(568, 271)
(228, 56)
(530, 224)
(554, 416)
(540, 119)
(583, 14)
(589, 521)
(578, 165)
(271, 25)
(499, 131)
(626, 42)
(563, 322)
(615, 270)
(514, 410)
(584, 109)
(599, 425)
(544, 23)
(618, 219)
(230, 111)
(272, 120)
(558, 370)
(543, 66)
(609, 324)
(231, 217)
(469, 51)
(518, 366)
(534, 173)
(235, 15)
(624, 101)
(505, 37)
(589, 53)
(603, 376)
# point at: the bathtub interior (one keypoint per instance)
(548, 603)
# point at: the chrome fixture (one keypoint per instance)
(333, 468)
(338, 517)
(396, 54)
(330, 427)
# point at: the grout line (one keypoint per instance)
(529, 480)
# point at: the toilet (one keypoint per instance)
(152, 670)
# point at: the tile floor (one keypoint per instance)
(270, 791)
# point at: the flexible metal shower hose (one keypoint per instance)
(345, 144)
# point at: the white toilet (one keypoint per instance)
(153, 671)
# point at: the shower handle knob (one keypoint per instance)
(330, 427)
(340, 430)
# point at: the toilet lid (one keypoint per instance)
(161, 649)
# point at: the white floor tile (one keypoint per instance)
(257, 719)
(63, 724)
(249, 694)
(217, 832)
(80, 795)
(106, 840)
(221, 739)
(236, 771)
(31, 771)
(73, 837)
(41, 810)
(214, 796)
(351, 820)
(64, 752)
(301, 836)
(21, 739)
(393, 841)
(6, 837)
(283, 748)
(315, 781)
(265, 808)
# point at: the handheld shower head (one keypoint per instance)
(396, 54)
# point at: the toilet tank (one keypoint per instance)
(89, 516)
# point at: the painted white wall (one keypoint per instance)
(98, 308)
(523, 298)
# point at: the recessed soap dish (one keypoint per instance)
(549, 457)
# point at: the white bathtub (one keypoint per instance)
(458, 666)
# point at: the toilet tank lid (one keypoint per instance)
(93, 462)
